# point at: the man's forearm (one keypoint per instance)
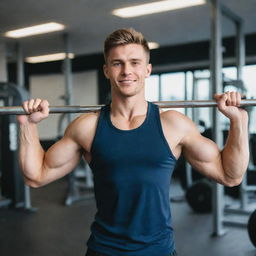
(235, 155)
(31, 153)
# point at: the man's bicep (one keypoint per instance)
(203, 154)
(61, 158)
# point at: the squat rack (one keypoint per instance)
(216, 63)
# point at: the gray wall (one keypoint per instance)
(52, 87)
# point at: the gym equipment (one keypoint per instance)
(18, 110)
(218, 10)
(13, 189)
(199, 196)
(80, 181)
(251, 227)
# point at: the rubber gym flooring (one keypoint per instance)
(57, 230)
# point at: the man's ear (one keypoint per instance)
(105, 70)
(149, 69)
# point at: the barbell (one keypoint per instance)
(18, 110)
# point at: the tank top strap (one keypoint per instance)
(104, 113)
(153, 115)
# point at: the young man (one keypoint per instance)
(132, 148)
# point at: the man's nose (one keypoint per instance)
(126, 69)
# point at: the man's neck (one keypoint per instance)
(128, 107)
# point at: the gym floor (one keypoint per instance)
(58, 230)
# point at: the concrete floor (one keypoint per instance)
(57, 230)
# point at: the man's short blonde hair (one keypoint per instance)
(125, 36)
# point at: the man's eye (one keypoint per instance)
(116, 63)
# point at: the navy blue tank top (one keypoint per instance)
(132, 171)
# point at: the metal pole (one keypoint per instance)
(195, 97)
(240, 49)
(216, 80)
(20, 65)
(18, 110)
(27, 201)
(3, 63)
(240, 62)
(160, 88)
(68, 74)
(188, 168)
(186, 90)
(21, 83)
(72, 190)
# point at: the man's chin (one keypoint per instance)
(128, 94)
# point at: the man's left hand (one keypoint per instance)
(229, 103)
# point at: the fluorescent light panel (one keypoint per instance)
(155, 7)
(35, 30)
(48, 57)
(153, 45)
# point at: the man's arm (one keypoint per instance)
(40, 167)
(225, 166)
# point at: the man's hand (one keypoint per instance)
(36, 110)
(228, 104)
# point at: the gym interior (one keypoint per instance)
(198, 50)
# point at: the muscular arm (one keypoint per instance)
(235, 155)
(40, 167)
(225, 166)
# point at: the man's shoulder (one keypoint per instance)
(171, 115)
(176, 119)
(88, 117)
(83, 125)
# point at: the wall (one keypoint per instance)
(52, 87)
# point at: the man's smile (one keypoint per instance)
(127, 81)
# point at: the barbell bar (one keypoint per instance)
(18, 110)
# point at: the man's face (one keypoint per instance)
(126, 68)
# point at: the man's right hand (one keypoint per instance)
(36, 110)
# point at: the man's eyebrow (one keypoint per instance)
(120, 60)
(115, 60)
(134, 59)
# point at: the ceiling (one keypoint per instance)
(89, 21)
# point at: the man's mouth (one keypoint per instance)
(127, 81)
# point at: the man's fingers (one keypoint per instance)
(44, 107)
(234, 99)
(25, 106)
(31, 105)
(238, 99)
(36, 106)
(228, 99)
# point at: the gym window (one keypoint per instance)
(171, 86)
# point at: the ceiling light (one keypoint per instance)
(35, 30)
(155, 7)
(49, 57)
(153, 45)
